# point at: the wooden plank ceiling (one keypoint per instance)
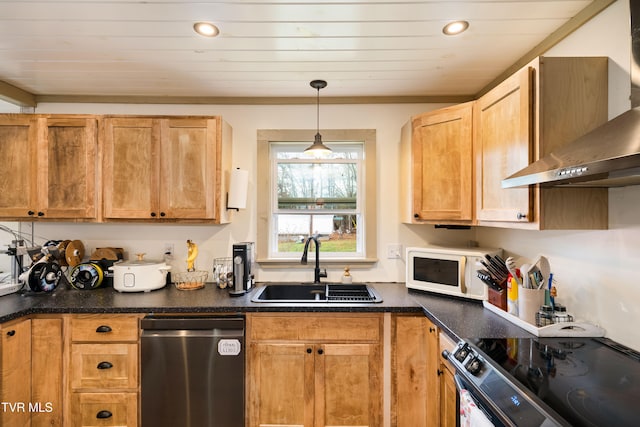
(271, 48)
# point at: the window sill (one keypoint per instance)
(293, 263)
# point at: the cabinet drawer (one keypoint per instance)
(104, 409)
(104, 366)
(334, 327)
(104, 328)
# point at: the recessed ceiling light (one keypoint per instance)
(455, 27)
(206, 29)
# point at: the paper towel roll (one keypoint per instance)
(238, 185)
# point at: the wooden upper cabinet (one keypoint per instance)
(164, 168)
(544, 106)
(504, 138)
(131, 168)
(67, 162)
(18, 145)
(442, 164)
(49, 166)
(188, 159)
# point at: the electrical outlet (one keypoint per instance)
(168, 249)
(394, 251)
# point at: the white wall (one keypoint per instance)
(593, 268)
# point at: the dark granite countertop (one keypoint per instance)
(459, 318)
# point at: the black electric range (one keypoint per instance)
(553, 381)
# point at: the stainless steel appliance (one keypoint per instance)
(550, 381)
(192, 371)
(448, 270)
(243, 263)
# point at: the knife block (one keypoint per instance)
(498, 298)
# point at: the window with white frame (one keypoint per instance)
(331, 197)
(317, 196)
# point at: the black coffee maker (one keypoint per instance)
(243, 262)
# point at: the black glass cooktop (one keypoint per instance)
(587, 381)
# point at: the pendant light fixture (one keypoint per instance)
(318, 149)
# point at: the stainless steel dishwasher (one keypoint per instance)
(192, 371)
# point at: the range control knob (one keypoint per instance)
(474, 365)
(462, 353)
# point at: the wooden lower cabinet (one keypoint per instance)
(103, 370)
(15, 382)
(448, 392)
(423, 389)
(312, 380)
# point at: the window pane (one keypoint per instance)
(337, 233)
(317, 186)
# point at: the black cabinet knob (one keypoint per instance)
(521, 215)
(40, 213)
(163, 214)
(320, 351)
(105, 365)
(432, 329)
(309, 350)
(153, 214)
(103, 414)
(31, 213)
(103, 329)
(11, 333)
(416, 216)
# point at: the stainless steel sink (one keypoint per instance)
(317, 293)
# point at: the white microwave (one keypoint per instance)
(447, 270)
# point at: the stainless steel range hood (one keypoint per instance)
(608, 156)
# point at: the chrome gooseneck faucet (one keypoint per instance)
(317, 273)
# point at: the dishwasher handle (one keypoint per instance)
(189, 333)
(192, 323)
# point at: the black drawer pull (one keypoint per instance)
(11, 333)
(103, 329)
(320, 351)
(309, 350)
(103, 414)
(105, 365)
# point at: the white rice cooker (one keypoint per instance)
(139, 275)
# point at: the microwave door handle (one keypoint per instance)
(462, 274)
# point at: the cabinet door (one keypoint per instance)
(409, 370)
(448, 397)
(281, 385)
(131, 168)
(504, 145)
(348, 385)
(46, 371)
(443, 164)
(18, 142)
(15, 368)
(188, 171)
(67, 158)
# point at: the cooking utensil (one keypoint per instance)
(524, 271)
(511, 267)
(498, 265)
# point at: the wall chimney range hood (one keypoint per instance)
(608, 156)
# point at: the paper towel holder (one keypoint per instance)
(238, 186)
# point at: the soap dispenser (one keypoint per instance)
(346, 277)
